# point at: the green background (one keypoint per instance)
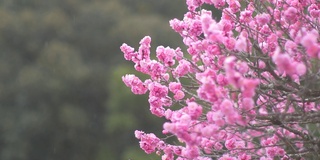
(61, 94)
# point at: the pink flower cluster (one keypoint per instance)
(247, 88)
(136, 85)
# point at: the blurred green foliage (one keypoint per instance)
(61, 94)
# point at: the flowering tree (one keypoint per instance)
(247, 88)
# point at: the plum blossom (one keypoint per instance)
(182, 69)
(245, 86)
(148, 142)
(137, 86)
(166, 55)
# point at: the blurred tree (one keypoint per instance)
(164, 8)
(92, 27)
(59, 96)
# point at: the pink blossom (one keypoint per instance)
(221, 80)
(129, 53)
(209, 130)
(218, 146)
(208, 91)
(170, 127)
(246, 16)
(148, 142)
(272, 42)
(157, 111)
(314, 11)
(167, 157)
(155, 101)
(313, 50)
(247, 103)
(137, 86)
(241, 44)
(177, 25)
(234, 5)
(144, 49)
(155, 69)
(301, 69)
(230, 43)
(196, 28)
(284, 63)
(233, 118)
(214, 32)
(166, 55)
(179, 95)
(218, 3)
(138, 134)
(194, 110)
(287, 65)
(158, 90)
(177, 150)
(240, 75)
(244, 157)
(227, 157)
(206, 21)
(309, 41)
(233, 77)
(290, 46)
(230, 143)
(242, 68)
(227, 26)
(226, 107)
(216, 117)
(261, 64)
(265, 29)
(207, 145)
(174, 86)
(190, 152)
(291, 14)
(263, 19)
(182, 69)
(193, 4)
(248, 88)
(309, 38)
(271, 152)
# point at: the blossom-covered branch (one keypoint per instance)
(248, 85)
